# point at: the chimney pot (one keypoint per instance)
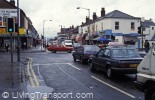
(102, 12)
(12, 2)
(87, 19)
(94, 16)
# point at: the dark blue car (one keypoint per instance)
(85, 52)
(118, 60)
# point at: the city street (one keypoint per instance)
(76, 82)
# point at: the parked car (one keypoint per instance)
(68, 43)
(115, 59)
(55, 48)
(84, 52)
(76, 45)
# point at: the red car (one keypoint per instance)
(55, 48)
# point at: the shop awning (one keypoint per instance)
(130, 38)
(102, 39)
(96, 38)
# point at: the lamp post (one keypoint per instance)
(88, 20)
(18, 37)
(43, 29)
(85, 9)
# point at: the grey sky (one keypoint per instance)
(64, 12)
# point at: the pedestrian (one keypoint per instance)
(147, 46)
(24, 45)
(7, 47)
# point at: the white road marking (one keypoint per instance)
(74, 66)
(48, 64)
(128, 94)
(57, 63)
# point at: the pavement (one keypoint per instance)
(29, 50)
(12, 80)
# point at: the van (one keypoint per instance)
(146, 75)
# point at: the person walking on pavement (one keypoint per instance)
(7, 47)
(24, 45)
(147, 46)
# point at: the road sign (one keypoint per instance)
(8, 12)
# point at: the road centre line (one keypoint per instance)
(74, 66)
(128, 94)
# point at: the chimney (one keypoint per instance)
(102, 12)
(72, 26)
(12, 2)
(94, 16)
(87, 19)
(150, 19)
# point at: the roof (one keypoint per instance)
(153, 38)
(148, 23)
(6, 4)
(117, 14)
(113, 14)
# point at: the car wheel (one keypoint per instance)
(53, 51)
(150, 93)
(92, 67)
(74, 58)
(69, 51)
(81, 60)
(109, 72)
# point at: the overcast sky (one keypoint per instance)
(65, 12)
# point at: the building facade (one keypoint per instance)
(115, 25)
(28, 34)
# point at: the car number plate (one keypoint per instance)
(133, 65)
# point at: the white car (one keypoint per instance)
(67, 43)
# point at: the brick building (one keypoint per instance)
(28, 34)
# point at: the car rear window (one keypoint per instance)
(125, 53)
(91, 48)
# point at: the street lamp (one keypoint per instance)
(89, 18)
(18, 37)
(43, 29)
(85, 9)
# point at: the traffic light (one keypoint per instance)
(10, 24)
(42, 37)
(139, 30)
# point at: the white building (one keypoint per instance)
(114, 25)
(149, 30)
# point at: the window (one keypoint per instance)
(152, 28)
(102, 25)
(96, 27)
(116, 25)
(143, 29)
(1, 21)
(107, 53)
(100, 54)
(132, 26)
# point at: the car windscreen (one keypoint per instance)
(125, 53)
(68, 41)
(91, 48)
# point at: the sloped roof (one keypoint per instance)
(118, 14)
(153, 38)
(5, 4)
(113, 14)
(148, 23)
